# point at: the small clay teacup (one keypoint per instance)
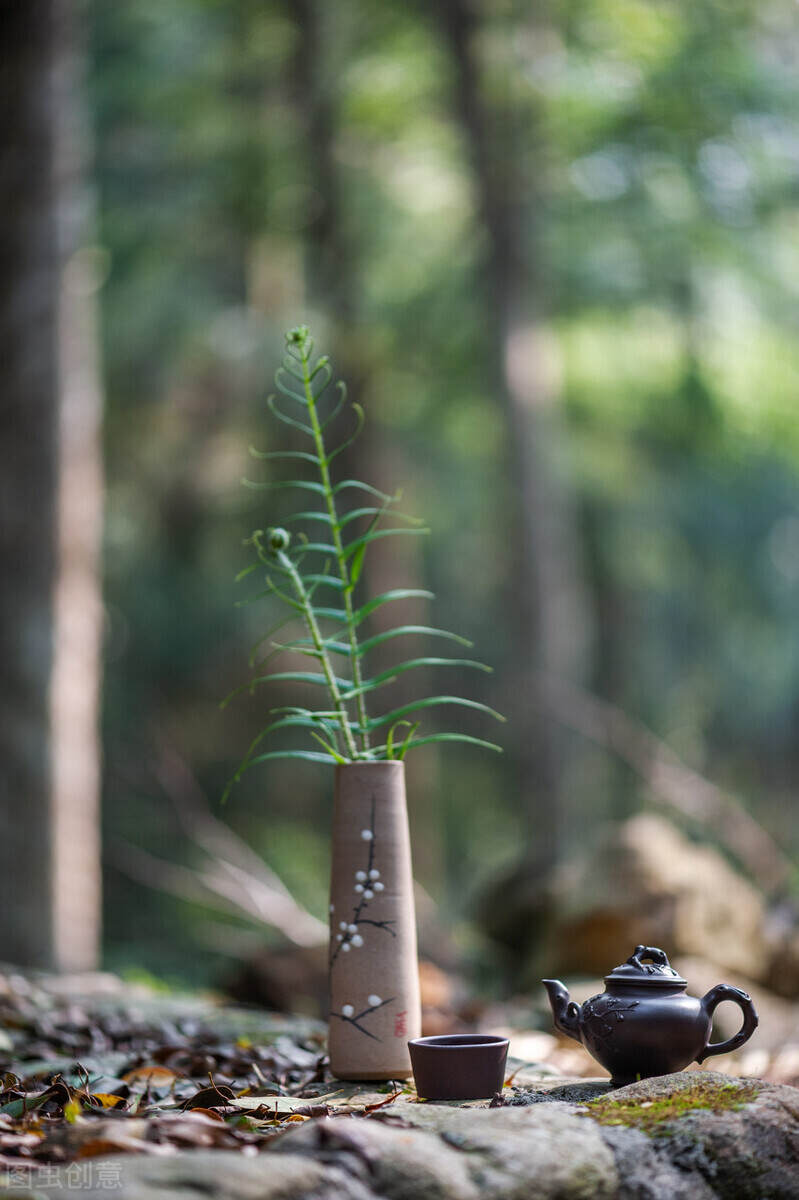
(458, 1066)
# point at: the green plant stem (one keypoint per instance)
(337, 542)
(319, 645)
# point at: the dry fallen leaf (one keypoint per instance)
(152, 1076)
(104, 1100)
(211, 1097)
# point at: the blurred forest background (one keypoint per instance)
(554, 249)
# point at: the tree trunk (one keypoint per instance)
(51, 494)
(547, 599)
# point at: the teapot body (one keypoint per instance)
(645, 1023)
(637, 1032)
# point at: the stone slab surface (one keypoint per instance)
(650, 1141)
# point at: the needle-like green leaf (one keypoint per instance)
(447, 737)
(360, 542)
(355, 513)
(274, 485)
(281, 416)
(297, 677)
(431, 702)
(370, 685)
(380, 638)
(310, 516)
(371, 606)
(317, 548)
(324, 581)
(334, 754)
(308, 755)
(305, 455)
(363, 487)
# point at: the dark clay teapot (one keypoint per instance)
(644, 1024)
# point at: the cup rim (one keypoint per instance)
(459, 1041)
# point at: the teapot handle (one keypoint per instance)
(710, 1002)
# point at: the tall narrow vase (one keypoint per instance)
(374, 976)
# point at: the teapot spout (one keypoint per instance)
(565, 1013)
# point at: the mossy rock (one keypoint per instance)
(654, 1114)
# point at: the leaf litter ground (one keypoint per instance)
(127, 1070)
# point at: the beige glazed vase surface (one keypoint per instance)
(374, 977)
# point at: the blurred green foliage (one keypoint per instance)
(260, 164)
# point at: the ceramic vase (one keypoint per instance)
(373, 967)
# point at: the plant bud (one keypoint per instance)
(279, 539)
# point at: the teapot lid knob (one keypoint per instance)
(646, 965)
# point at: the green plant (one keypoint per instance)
(344, 729)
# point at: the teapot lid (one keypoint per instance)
(657, 972)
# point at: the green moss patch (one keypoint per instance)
(652, 1115)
